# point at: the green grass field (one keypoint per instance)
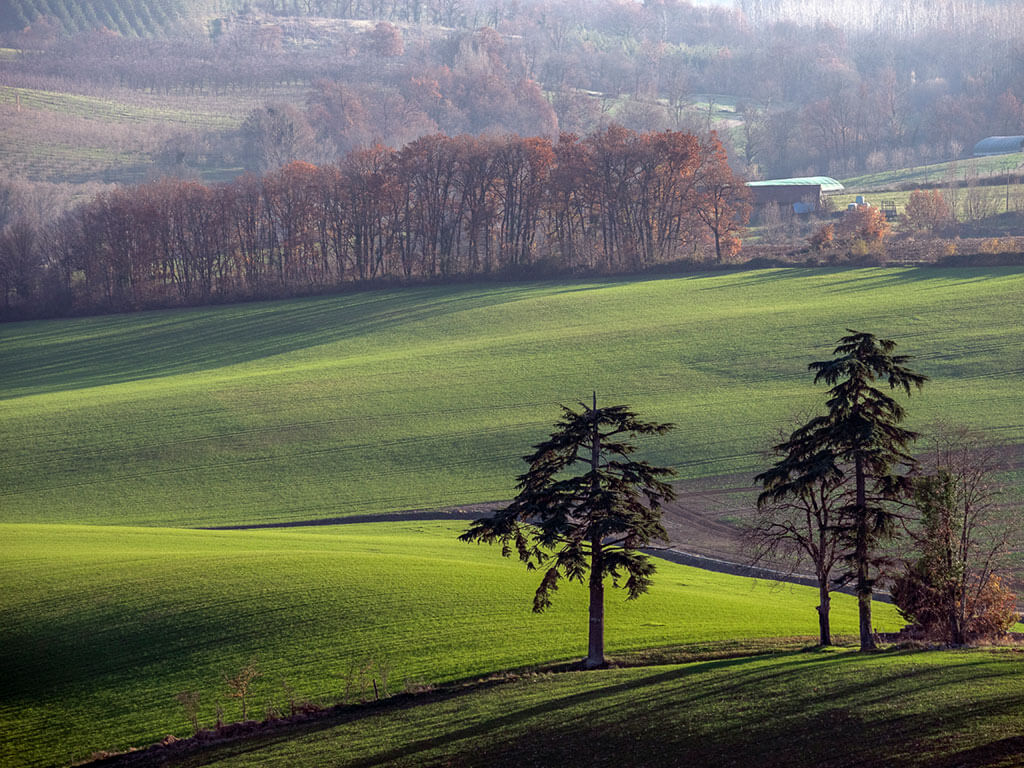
(101, 626)
(425, 397)
(795, 710)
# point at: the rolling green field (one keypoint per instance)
(387, 400)
(791, 710)
(101, 626)
(421, 398)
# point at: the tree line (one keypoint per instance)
(440, 208)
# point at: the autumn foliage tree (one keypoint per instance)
(725, 201)
(824, 237)
(441, 207)
(927, 211)
(640, 199)
(385, 40)
(940, 593)
(274, 135)
(865, 222)
(20, 266)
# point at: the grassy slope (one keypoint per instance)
(112, 111)
(992, 200)
(805, 709)
(937, 173)
(101, 626)
(56, 136)
(883, 185)
(426, 397)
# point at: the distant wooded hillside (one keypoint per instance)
(177, 88)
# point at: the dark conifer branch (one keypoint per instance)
(589, 526)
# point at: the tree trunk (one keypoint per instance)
(956, 629)
(595, 645)
(824, 605)
(957, 612)
(867, 636)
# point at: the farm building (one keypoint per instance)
(999, 145)
(803, 195)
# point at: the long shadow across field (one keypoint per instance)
(844, 279)
(820, 725)
(57, 356)
(52, 356)
(790, 709)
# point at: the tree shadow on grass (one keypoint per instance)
(790, 709)
(480, 730)
(490, 731)
(844, 279)
(833, 725)
(1005, 751)
(872, 278)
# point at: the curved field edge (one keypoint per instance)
(427, 397)
(796, 709)
(100, 627)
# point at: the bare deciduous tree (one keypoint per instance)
(796, 523)
(239, 684)
(189, 701)
(963, 534)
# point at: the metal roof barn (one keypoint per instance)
(803, 190)
(999, 145)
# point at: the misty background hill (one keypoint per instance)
(122, 91)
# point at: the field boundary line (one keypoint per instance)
(670, 554)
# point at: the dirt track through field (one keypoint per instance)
(701, 524)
